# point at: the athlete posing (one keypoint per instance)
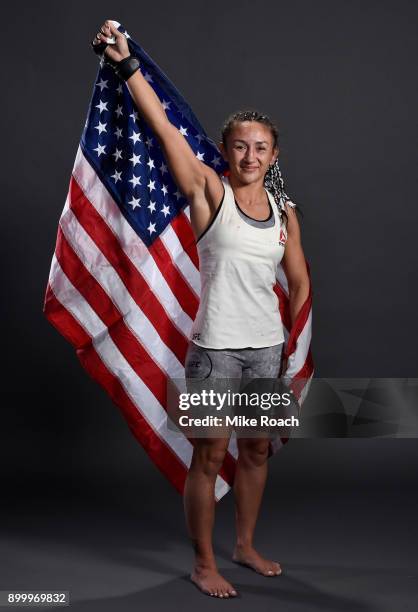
(241, 234)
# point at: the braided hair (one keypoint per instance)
(273, 180)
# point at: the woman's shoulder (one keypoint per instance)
(216, 186)
(292, 223)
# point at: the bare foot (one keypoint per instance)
(212, 583)
(250, 558)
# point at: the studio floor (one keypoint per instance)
(117, 546)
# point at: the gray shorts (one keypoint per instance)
(245, 371)
(203, 363)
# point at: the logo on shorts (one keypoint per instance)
(196, 337)
(282, 238)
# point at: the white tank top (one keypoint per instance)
(238, 307)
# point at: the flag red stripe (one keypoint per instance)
(158, 451)
(175, 280)
(306, 370)
(138, 288)
(283, 305)
(130, 347)
(301, 319)
(182, 228)
(298, 325)
(58, 316)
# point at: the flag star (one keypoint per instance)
(200, 156)
(135, 203)
(118, 133)
(165, 210)
(117, 176)
(135, 180)
(101, 127)
(163, 168)
(135, 159)
(148, 77)
(150, 163)
(119, 111)
(117, 154)
(134, 115)
(149, 142)
(100, 149)
(119, 88)
(151, 206)
(135, 136)
(166, 105)
(151, 228)
(126, 34)
(199, 138)
(102, 84)
(216, 161)
(177, 194)
(164, 189)
(183, 131)
(151, 185)
(102, 106)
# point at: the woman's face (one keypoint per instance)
(249, 150)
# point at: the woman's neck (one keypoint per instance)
(248, 194)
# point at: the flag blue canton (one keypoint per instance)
(126, 154)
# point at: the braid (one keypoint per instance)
(274, 182)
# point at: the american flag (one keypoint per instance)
(124, 282)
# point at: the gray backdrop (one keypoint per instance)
(339, 79)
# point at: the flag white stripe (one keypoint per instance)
(297, 359)
(181, 258)
(282, 280)
(232, 446)
(276, 444)
(107, 277)
(305, 390)
(130, 242)
(186, 211)
(134, 387)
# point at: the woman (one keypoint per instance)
(241, 236)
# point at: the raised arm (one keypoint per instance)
(186, 169)
(189, 173)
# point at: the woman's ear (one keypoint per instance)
(223, 151)
(275, 155)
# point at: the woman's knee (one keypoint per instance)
(209, 456)
(253, 452)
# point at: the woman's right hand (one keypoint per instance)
(117, 51)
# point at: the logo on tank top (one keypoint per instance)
(196, 337)
(282, 238)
